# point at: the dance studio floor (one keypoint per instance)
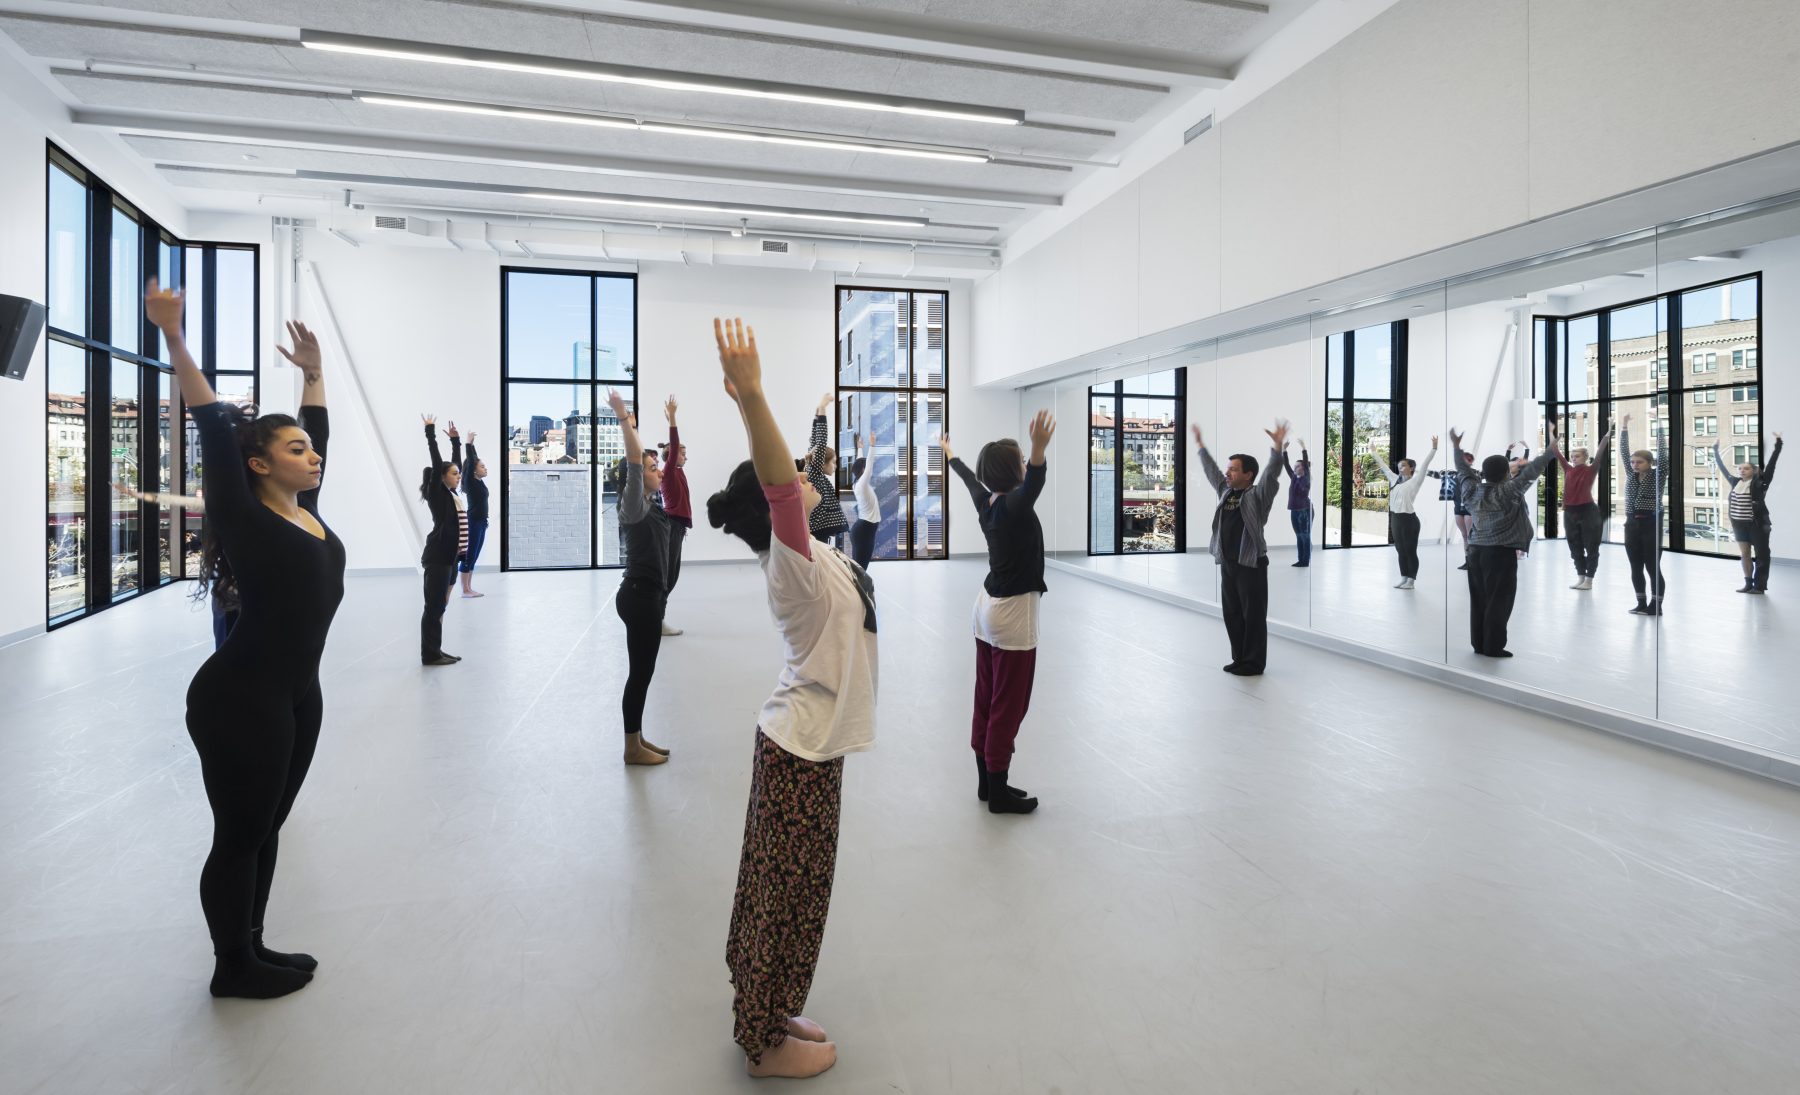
(1329, 879)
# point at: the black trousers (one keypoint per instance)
(1759, 578)
(1405, 529)
(439, 578)
(1640, 548)
(1586, 526)
(862, 542)
(255, 745)
(640, 604)
(1244, 597)
(1493, 585)
(677, 535)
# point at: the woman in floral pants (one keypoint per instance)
(823, 708)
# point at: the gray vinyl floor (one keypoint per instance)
(1718, 662)
(1329, 879)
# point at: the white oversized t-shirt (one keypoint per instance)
(824, 702)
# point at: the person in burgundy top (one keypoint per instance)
(1584, 522)
(676, 501)
(1299, 502)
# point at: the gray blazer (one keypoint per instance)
(1258, 502)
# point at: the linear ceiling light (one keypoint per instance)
(648, 77)
(729, 210)
(680, 129)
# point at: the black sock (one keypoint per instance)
(985, 784)
(240, 973)
(306, 963)
(1005, 799)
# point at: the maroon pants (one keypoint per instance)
(1002, 693)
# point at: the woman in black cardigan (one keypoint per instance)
(449, 532)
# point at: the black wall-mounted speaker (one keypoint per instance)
(21, 322)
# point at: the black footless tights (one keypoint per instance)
(253, 757)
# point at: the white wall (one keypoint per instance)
(29, 118)
(1437, 122)
(422, 329)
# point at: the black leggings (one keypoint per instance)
(677, 534)
(439, 577)
(640, 604)
(254, 753)
(1405, 527)
(862, 542)
(1640, 549)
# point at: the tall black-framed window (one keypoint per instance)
(1686, 364)
(566, 336)
(892, 377)
(1137, 469)
(111, 401)
(1365, 430)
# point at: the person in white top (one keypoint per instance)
(868, 503)
(1403, 519)
(823, 708)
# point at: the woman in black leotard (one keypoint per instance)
(253, 709)
(444, 545)
(644, 591)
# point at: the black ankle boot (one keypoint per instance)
(1003, 799)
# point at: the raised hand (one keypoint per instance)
(428, 419)
(450, 431)
(1199, 442)
(163, 307)
(471, 437)
(1625, 420)
(1456, 441)
(617, 403)
(1434, 440)
(669, 409)
(1043, 425)
(738, 358)
(1278, 435)
(944, 443)
(305, 355)
(824, 403)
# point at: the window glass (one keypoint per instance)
(234, 339)
(68, 251)
(125, 443)
(127, 282)
(66, 422)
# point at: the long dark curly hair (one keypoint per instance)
(255, 435)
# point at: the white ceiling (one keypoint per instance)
(221, 98)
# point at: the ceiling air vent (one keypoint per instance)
(397, 224)
(775, 247)
(1197, 128)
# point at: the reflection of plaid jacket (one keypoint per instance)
(1255, 505)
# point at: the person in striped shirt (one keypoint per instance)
(1749, 512)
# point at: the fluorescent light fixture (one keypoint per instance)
(569, 117)
(525, 113)
(729, 210)
(396, 49)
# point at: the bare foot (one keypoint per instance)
(806, 1030)
(637, 753)
(795, 1059)
(652, 746)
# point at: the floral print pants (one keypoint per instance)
(783, 891)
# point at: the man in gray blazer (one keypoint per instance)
(1239, 547)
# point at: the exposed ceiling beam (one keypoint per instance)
(930, 35)
(390, 144)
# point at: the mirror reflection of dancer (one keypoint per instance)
(1583, 522)
(868, 503)
(643, 595)
(1645, 474)
(1749, 512)
(254, 707)
(1005, 489)
(475, 494)
(826, 520)
(676, 502)
(444, 544)
(1299, 502)
(822, 709)
(1240, 550)
(1448, 491)
(1404, 482)
(1503, 530)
